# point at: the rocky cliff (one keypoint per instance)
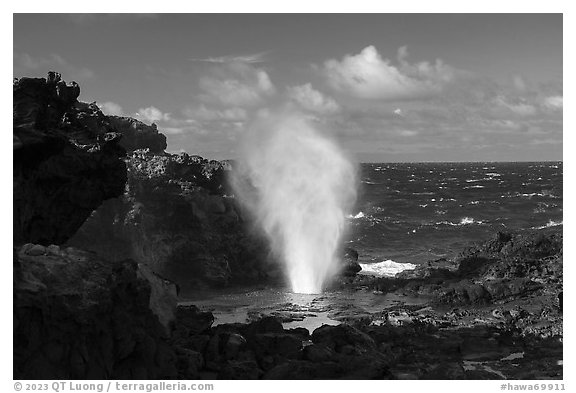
(76, 314)
(67, 160)
(138, 135)
(175, 216)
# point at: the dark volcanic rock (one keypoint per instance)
(350, 265)
(66, 160)
(176, 217)
(77, 316)
(504, 268)
(137, 135)
(341, 338)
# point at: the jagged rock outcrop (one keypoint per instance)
(175, 216)
(67, 160)
(504, 268)
(137, 135)
(78, 316)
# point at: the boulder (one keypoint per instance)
(349, 265)
(318, 353)
(341, 338)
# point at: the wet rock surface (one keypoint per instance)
(494, 313)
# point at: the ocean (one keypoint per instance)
(416, 212)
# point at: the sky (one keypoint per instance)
(388, 87)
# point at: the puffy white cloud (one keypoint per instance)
(111, 108)
(367, 75)
(237, 84)
(309, 98)
(152, 114)
(554, 103)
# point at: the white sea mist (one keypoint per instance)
(299, 185)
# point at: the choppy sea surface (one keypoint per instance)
(415, 212)
(407, 214)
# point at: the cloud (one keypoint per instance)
(367, 75)
(519, 83)
(408, 133)
(248, 58)
(554, 103)
(86, 19)
(111, 108)
(25, 64)
(152, 114)
(202, 113)
(173, 130)
(519, 108)
(237, 84)
(309, 98)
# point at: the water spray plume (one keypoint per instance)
(299, 185)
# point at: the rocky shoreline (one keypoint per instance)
(109, 229)
(512, 331)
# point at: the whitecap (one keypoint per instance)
(387, 268)
(469, 220)
(463, 221)
(359, 215)
(550, 224)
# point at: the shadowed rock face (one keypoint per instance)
(67, 160)
(175, 216)
(78, 316)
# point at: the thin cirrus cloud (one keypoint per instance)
(25, 64)
(367, 75)
(520, 108)
(85, 19)
(205, 114)
(254, 58)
